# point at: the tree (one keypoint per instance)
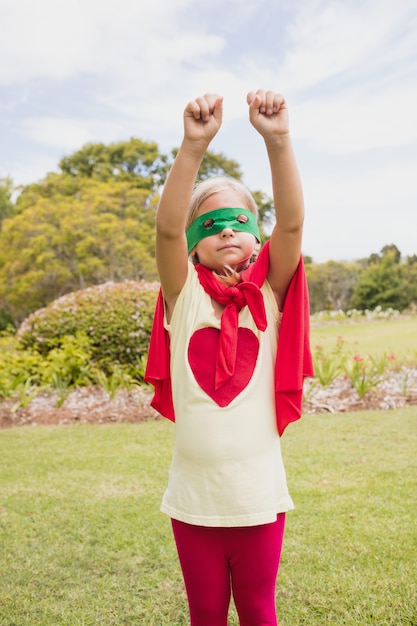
(266, 216)
(6, 320)
(216, 164)
(381, 284)
(135, 161)
(409, 269)
(331, 285)
(6, 203)
(62, 242)
(392, 251)
(91, 223)
(389, 250)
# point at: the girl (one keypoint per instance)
(217, 368)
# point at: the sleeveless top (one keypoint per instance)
(227, 468)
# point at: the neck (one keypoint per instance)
(229, 276)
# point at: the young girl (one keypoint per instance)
(219, 370)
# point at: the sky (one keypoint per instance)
(104, 71)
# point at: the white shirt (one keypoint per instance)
(227, 468)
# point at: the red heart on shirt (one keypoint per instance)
(202, 352)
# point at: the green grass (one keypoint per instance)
(397, 336)
(82, 541)
(350, 553)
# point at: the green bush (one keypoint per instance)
(17, 368)
(6, 320)
(70, 364)
(115, 317)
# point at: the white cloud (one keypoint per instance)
(67, 133)
(95, 70)
(334, 40)
(151, 62)
(351, 214)
(349, 122)
(53, 39)
(386, 185)
(351, 69)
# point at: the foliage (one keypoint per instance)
(68, 365)
(328, 366)
(382, 283)
(94, 222)
(6, 320)
(388, 251)
(70, 362)
(381, 280)
(409, 270)
(6, 203)
(380, 363)
(18, 368)
(24, 373)
(331, 285)
(216, 164)
(266, 213)
(89, 224)
(362, 374)
(137, 162)
(56, 348)
(119, 377)
(71, 234)
(116, 317)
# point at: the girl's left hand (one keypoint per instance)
(268, 113)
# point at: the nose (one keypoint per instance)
(227, 232)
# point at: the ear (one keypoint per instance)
(194, 257)
(255, 252)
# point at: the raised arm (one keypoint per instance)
(269, 115)
(202, 120)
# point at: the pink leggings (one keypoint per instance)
(217, 562)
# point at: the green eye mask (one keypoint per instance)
(215, 221)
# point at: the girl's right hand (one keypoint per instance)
(203, 118)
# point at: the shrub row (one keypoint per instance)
(115, 317)
(100, 335)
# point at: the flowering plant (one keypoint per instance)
(327, 367)
(362, 374)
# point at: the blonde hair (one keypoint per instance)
(209, 187)
(217, 184)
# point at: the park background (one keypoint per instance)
(92, 96)
(84, 458)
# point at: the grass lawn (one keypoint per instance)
(82, 541)
(398, 336)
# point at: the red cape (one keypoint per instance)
(293, 362)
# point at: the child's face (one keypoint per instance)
(227, 247)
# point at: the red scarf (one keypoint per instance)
(234, 298)
(293, 361)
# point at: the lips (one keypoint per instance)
(229, 247)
